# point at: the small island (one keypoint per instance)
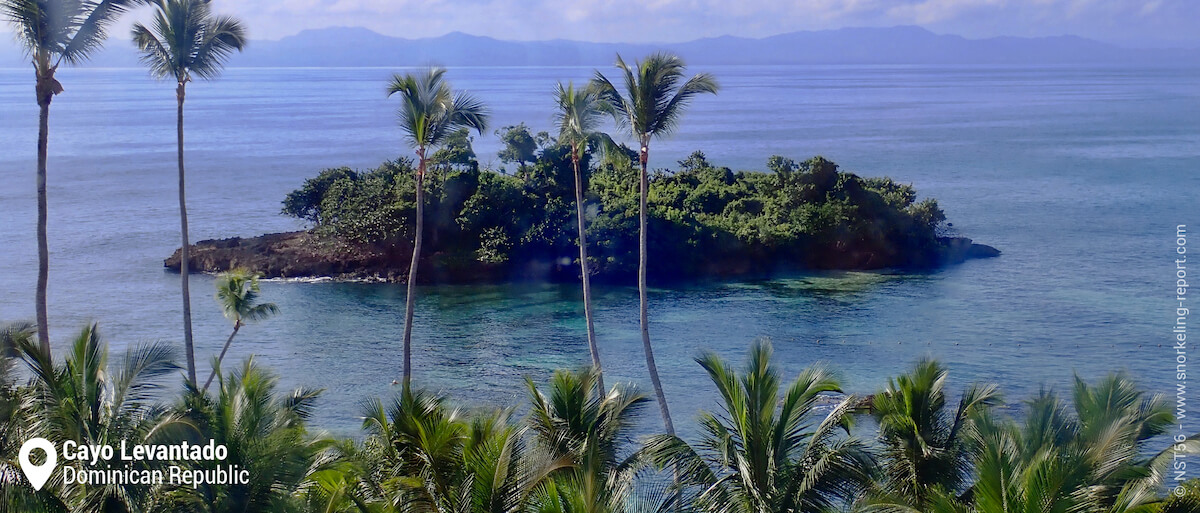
(495, 226)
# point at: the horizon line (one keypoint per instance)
(11, 43)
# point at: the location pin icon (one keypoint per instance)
(38, 474)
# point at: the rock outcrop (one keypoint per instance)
(304, 255)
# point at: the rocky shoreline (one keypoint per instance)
(294, 255)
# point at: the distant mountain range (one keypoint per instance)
(354, 47)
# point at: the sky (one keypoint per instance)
(1124, 22)
(1130, 23)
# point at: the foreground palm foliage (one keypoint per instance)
(264, 430)
(773, 445)
(186, 40)
(769, 451)
(928, 447)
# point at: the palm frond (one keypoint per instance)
(188, 40)
(652, 101)
(430, 110)
(91, 27)
(139, 375)
(221, 37)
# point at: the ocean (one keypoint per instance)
(1079, 175)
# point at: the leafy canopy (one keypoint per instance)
(430, 110)
(237, 294)
(654, 95)
(185, 38)
(70, 30)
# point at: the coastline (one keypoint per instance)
(304, 256)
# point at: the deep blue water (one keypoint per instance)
(1079, 175)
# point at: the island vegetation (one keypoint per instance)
(492, 225)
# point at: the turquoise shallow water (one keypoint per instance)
(1079, 175)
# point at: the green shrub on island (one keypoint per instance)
(705, 220)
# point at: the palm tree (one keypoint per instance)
(85, 401)
(1115, 423)
(586, 426)
(16, 421)
(264, 431)
(1185, 501)
(768, 452)
(53, 32)
(187, 40)
(12, 422)
(428, 456)
(237, 293)
(342, 480)
(578, 116)
(1093, 457)
(1015, 472)
(651, 107)
(925, 443)
(429, 113)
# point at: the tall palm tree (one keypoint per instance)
(237, 293)
(767, 451)
(652, 105)
(578, 116)
(926, 444)
(186, 40)
(85, 401)
(55, 32)
(429, 113)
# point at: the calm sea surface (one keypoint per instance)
(1078, 175)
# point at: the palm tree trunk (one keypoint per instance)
(409, 301)
(583, 268)
(45, 93)
(183, 252)
(645, 317)
(236, 326)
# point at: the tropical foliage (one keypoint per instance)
(265, 433)
(237, 294)
(772, 445)
(769, 450)
(705, 220)
(928, 448)
(88, 400)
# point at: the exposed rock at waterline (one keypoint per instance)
(304, 255)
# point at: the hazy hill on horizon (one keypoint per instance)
(360, 47)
